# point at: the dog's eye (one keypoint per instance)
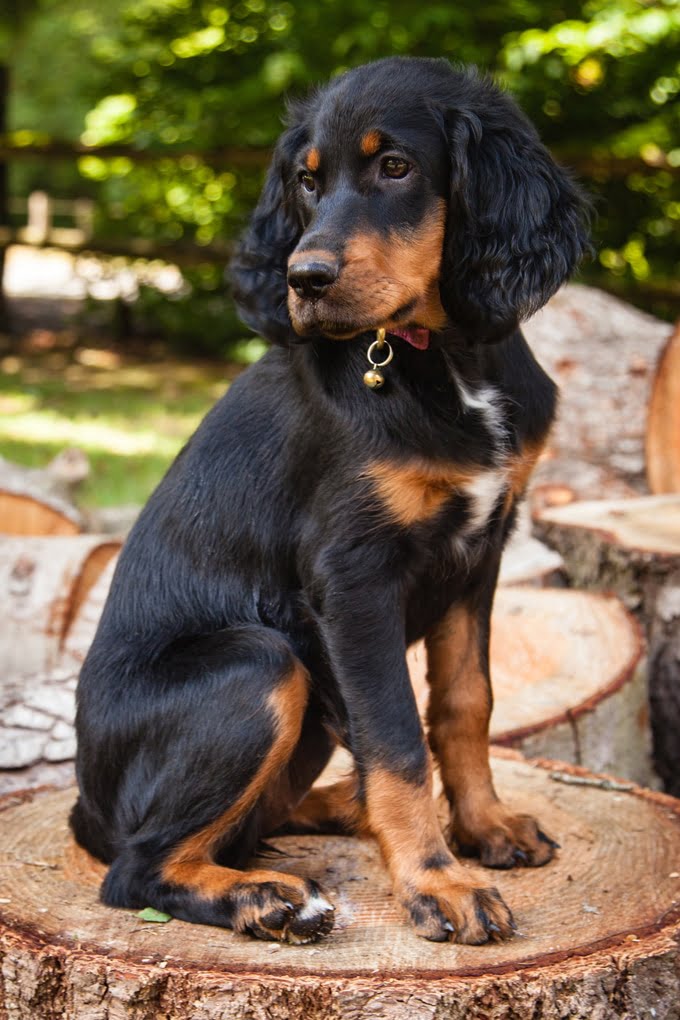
(394, 167)
(307, 181)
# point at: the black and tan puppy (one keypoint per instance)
(314, 527)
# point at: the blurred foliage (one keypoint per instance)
(600, 79)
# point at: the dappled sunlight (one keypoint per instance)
(131, 417)
(90, 435)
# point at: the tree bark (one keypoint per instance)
(49, 590)
(603, 354)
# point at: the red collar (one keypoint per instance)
(416, 336)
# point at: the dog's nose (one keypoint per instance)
(311, 277)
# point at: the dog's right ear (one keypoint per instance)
(259, 267)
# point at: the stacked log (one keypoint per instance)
(48, 592)
(632, 547)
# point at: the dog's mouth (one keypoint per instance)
(319, 317)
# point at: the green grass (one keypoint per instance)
(130, 416)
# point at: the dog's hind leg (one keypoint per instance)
(215, 748)
(336, 809)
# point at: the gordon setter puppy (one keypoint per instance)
(315, 525)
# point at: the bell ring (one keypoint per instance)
(374, 378)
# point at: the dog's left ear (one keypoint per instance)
(259, 266)
(517, 224)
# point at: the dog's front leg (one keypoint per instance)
(458, 715)
(364, 637)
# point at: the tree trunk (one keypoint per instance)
(39, 501)
(598, 927)
(632, 547)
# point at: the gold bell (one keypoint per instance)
(374, 379)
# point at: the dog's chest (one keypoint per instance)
(418, 490)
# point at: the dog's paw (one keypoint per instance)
(278, 912)
(453, 911)
(504, 840)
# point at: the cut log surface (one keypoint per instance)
(569, 679)
(25, 514)
(39, 501)
(663, 421)
(598, 927)
(632, 547)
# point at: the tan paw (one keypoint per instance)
(504, 840)
(443, 908)
(277, 912)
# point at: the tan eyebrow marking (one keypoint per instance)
(370, 143)
(313, 160)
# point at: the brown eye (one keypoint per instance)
(394, 167)
(307, 181)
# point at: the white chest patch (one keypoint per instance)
(486, 489)
(483, 491)
(487, 400)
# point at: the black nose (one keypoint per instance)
(311, 277)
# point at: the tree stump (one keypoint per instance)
(598, 927)
(633, 548)
(568, 671)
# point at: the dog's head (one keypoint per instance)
(407, 194)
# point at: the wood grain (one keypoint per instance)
(598, 927)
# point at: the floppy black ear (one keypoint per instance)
(259, 266)
(517, 224)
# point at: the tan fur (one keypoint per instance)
(313, 160)
(520, 467)
(402, 817)
(459, 711)
(330, 807)
(415, 491)
(370, 143)
(458, 717)
(382, 274)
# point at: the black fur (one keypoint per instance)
(265, 544)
